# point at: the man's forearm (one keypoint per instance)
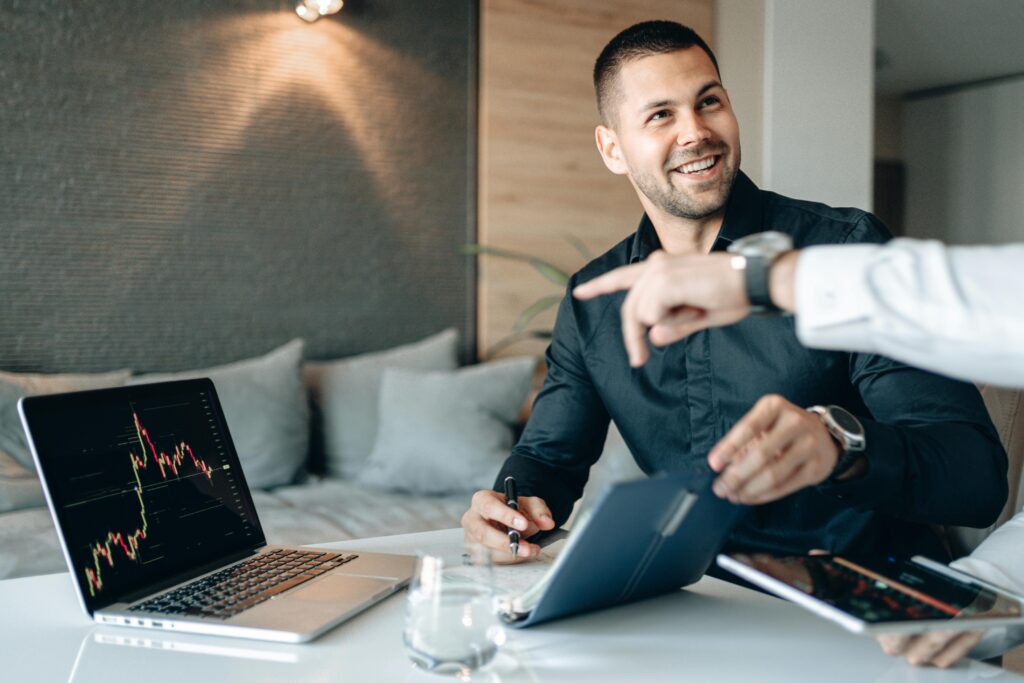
(781, 282)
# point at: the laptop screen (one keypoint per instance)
(144, 483)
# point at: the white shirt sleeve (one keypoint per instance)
(999, 560)
(958, 311)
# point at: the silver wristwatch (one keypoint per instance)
(848, 433)
(754, 255)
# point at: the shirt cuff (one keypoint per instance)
(833, 305)
(987, 572)
(999, 639)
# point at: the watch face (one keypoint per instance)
(846, 421)
(762, 244)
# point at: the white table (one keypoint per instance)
(713, 631)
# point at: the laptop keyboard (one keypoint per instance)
(225, 593)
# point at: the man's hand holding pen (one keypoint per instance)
(490, 519)
(512, 500)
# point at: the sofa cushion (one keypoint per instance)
(346, 393)
(29, 544)
(19, 485)
(266, 409)
(338, 509)
(446, 432)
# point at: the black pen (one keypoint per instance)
(513, 502)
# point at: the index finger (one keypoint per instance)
(759, 419)
(491, 506)
(621, 278)
(634, 332)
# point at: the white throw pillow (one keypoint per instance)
(345, 394)
(446, 432)
(265, 406)
(19, 485)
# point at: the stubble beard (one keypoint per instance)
(668, 198)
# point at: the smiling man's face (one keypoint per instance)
(674, 134)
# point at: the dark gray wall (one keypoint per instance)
(191, 182)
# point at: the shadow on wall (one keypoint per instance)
(206, 184)
(352, 77)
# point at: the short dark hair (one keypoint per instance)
(641, 40)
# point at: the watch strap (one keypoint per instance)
(755, 277)
(851, 446)
(846, 460)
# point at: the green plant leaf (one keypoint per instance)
(553, 274)
(550, 272)
(582, 248)
(533, 310)
(472, 249)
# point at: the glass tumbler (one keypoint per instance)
(451, 621)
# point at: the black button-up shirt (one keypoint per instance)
(933, 454)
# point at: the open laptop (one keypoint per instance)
(159, 529)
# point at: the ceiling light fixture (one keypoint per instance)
(311, 10)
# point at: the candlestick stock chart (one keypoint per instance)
(150, 488)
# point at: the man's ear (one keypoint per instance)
(611, 152)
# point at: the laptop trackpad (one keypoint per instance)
(341, 588)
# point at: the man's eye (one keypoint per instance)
(659, 115)
(709, 101)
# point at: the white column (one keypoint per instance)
(739, 48)
(819, 100)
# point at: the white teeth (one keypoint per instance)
(697, 166)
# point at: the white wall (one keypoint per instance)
(818, 100)
(964, 154)
(800, 76)
(739, 48)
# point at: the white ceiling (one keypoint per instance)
(922, 44)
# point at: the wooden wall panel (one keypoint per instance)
(541, 177)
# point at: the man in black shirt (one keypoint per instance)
(927, 451)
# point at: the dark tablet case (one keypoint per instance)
(644, 538)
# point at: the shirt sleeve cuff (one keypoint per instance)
(996, 640)
(832, 302)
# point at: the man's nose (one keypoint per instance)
(691, 130)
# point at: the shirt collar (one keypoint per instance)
(644, 241)
(743, 216)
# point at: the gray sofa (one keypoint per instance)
(276, 406)
(374, 418)
(314, 512)
(340, 487)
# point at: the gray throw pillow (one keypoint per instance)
(446, 432)
(346, 393)
(265, 406)
(19, 485)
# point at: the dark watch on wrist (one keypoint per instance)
(754, 256)
(848, 433)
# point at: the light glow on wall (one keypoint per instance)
(311, 10)
(269, 61)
